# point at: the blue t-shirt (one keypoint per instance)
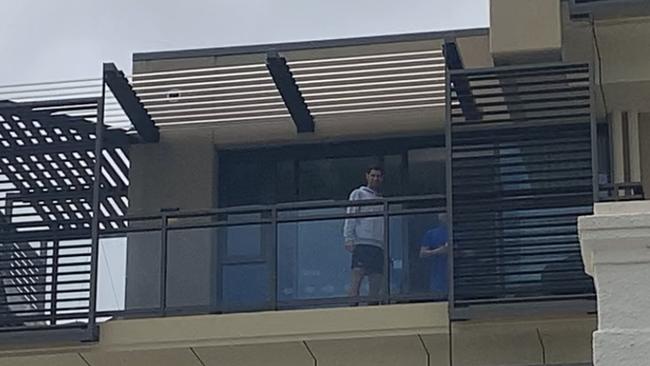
(438, 276)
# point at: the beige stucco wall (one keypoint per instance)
(525, 30)
(177, 172)
(523, 342)
(624, 51)
(391, 335)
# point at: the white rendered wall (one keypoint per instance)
(616, 251)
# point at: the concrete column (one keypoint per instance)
(633, 143)
(618, 147)
(616, 251)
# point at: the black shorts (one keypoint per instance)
(368, 257)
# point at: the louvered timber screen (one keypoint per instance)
(522, 170)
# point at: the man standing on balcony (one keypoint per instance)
(364, 236)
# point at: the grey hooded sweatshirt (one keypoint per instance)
(364, 230)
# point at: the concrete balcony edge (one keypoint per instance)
(257, 328)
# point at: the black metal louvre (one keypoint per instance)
(522, 171)
(47, 180)
(601, 9)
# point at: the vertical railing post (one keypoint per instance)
(387, 262)
(55, 281)
(594, 136)
(96, 212)
(449, 191)
(273, 256)
(163, 264)
(449, 203)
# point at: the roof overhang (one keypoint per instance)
(318, 86)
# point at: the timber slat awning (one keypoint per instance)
(308, 84)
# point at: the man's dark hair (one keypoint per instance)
(375, 167)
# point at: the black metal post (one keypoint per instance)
(97, 187)
(163, 265)
(55, 281)
(449, 203)
(594, 136)
(449, 192)
(387, 261)
(273, 257)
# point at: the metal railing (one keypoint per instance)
(63, 170)
(630, 191)
(262, 258)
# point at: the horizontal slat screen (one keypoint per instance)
(47, 174)
(601, 9)
(521, 145)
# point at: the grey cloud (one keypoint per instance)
(51, 40)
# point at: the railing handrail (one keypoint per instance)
(289, 206)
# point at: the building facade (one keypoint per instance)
(193, 213)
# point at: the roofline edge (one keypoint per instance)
(305, 45)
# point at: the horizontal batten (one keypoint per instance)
(196, 70)
(170, 104)
(380, 71)
(392, 82)
(380, 109)
(96, 87)
(413, 76)
(192, 110)
(137, 83)
(367, 57)
(205, 83)
(144, 97)
(50, 83)
(234, 87)
(41, 97)
(271, 110)
(370, 90)
(427, 60)
(375, 96)
(225, 120)
(381, 102)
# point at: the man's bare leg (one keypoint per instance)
(376, 284)
(355, 283)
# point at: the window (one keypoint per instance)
(330, 171)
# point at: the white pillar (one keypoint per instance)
(616, 251)
(617, 146)
(633, 143)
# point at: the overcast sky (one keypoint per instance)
(42, 40)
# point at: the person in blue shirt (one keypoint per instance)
(434, 248)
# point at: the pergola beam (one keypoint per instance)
(461, 84)
(130, 103)
(290, 93)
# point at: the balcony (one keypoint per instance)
(284, 256)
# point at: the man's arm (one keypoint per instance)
(435, 242)
(426, 252)
(350, 223)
